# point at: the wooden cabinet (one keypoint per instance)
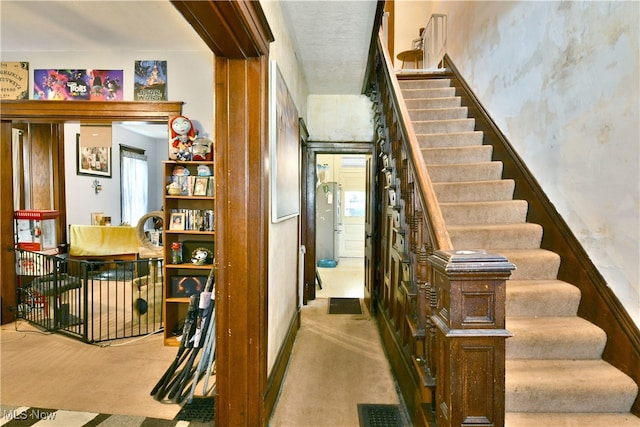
(189, 228)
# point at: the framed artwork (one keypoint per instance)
(285, 157)
(200, 185)
(93, 161)
(177, 221)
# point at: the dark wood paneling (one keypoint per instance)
(7, 261)
(242, 215)
(598, 304)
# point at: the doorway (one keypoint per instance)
(347, 164)
(340, 225)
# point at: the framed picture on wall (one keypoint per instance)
(93, 161)
(285, 143)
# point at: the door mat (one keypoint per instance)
(372, 415)
(200, 409)
(344, 306)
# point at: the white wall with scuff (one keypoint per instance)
(561, 80)
(284, 241)
(340, 118)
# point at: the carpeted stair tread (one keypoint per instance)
(450, 139)
(439, 113)
(482, 191)
(513, 236)
(454, 155)
(541, 298)
(550, 419)
(502, 212)
(467, 172)
(444, 102)
(554, 338)
(531, 264)
(438, 92)
(441, 126)
(567, 386)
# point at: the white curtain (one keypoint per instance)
(135, 185)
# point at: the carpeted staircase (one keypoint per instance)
(555, 375)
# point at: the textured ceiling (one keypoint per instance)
(331, 37)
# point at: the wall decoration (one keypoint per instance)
(14, 80)
(150, 81)
(78, 84)
(93, 161)
(285, 163)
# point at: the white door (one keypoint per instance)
(352, 180)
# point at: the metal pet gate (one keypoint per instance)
(91, 300)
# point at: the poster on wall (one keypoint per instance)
(14, 80)
(150, 81)
(78, 84)
(285, 166)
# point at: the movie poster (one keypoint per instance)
(14, 80)
(70, 84)
(150, 81)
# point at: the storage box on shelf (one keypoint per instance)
(188, 240)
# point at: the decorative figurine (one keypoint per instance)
(182, 135)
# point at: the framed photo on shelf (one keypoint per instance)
(200, 185)
(96, 218)
(177, 221)
(185, 286)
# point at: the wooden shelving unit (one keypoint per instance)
(196, 235)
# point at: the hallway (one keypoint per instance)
(336, 364)
(337, 360)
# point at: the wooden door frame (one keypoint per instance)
(309, 152)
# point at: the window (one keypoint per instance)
(134, 183)
(354, 203)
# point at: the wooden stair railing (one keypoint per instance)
(440, 313)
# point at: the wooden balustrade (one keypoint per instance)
(441, 314)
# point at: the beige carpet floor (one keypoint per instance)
(337, 363)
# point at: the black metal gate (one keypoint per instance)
(91, 300)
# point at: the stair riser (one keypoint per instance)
(541, 299)
(424, 84)
(461, 139)
(528, 236)
(422, 103)
(541, 266)
(474, 192)
(444, 92)
(444, 126)
(510, 212)
(450, 156)
(465, 173)
(439, 114)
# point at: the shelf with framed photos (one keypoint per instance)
(189, 234)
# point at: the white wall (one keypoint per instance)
(340, 118)
(561, 81)
(80, 195)
(284, 242)
(189, 76)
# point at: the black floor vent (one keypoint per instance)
(372, 415)
(199, 410)
(344, 306)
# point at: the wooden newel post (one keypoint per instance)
(470, 336)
